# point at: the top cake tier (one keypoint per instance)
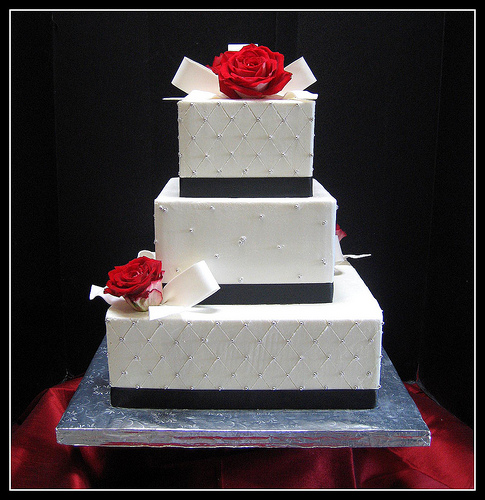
(243, 140)
(246, 127)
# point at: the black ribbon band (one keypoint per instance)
(335, 399)
(274, 293)
(246, 187)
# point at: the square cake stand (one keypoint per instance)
(90, 420)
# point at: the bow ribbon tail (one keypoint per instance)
(340, 258)
(98, 291)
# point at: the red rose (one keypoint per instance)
(139, 282)
(251, 72)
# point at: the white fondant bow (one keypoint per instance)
(186, 290)
(201, 83)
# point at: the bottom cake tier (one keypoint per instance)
(250, 356)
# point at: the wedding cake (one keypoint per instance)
(246, 302)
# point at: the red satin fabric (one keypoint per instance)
(38, 461)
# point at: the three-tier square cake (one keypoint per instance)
(287, 325)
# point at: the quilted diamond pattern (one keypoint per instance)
(234, 138)
(239, 354)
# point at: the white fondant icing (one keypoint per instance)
(254, 240)
(255, 138)
(312, 346)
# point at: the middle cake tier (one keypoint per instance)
(260, 250)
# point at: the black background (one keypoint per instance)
(93, 143)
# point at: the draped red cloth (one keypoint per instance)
(38, 461)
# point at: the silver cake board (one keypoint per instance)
(90, 420)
